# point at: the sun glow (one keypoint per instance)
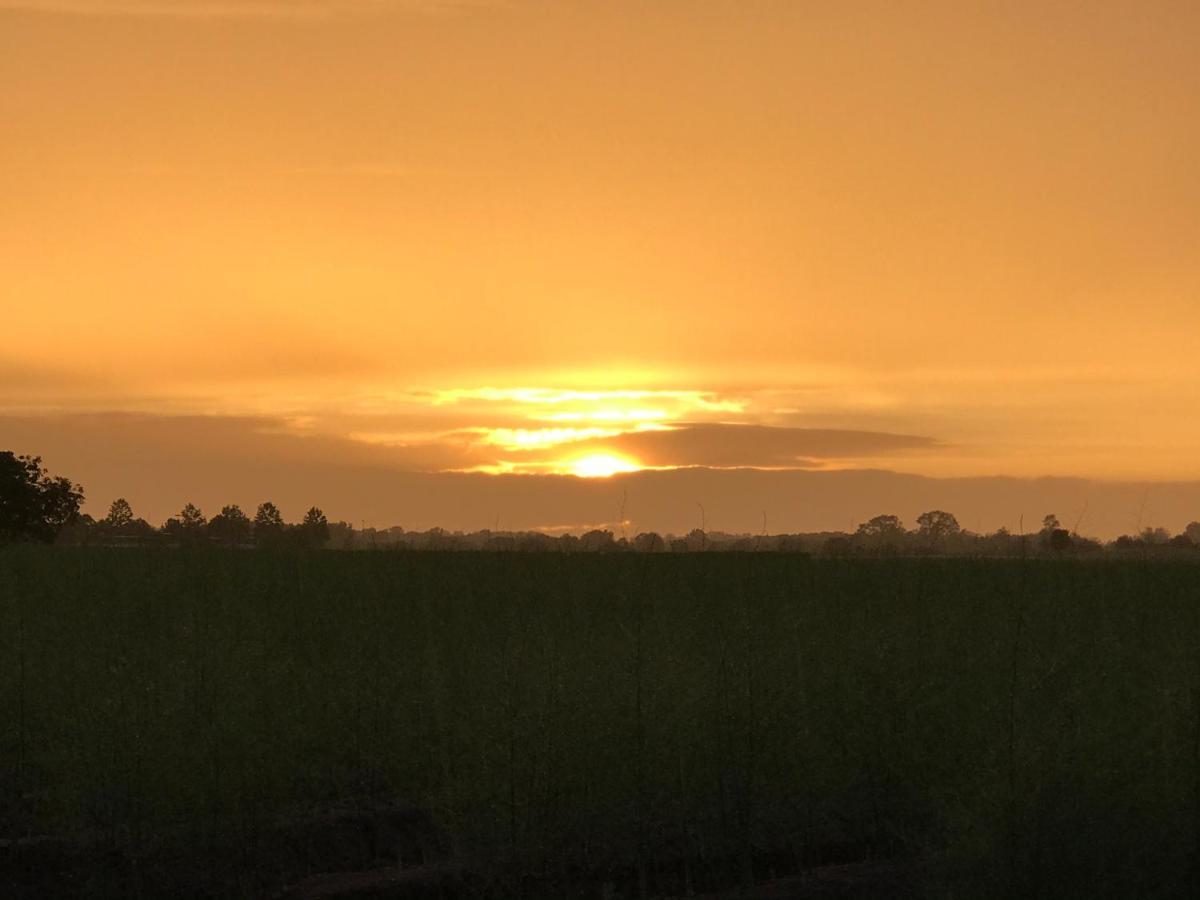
(562, 405)
(565, 431)
(601, 465)
(530, 439)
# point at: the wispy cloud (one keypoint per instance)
(238, 9)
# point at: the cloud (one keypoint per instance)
(723, 445)
(129, 439)
(237, 9)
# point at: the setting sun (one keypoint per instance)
(601, 465)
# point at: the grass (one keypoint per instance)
(1016, 728)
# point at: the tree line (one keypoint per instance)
(38, 507)
(231, 527)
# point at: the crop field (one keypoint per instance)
(595, 725)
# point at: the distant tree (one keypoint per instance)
(440, 539)
(1059, 540)
(120, 514)
(79, 531)
(314, 529)
(34, 506)
(881, 526)
(268, 524)
(792, 543)
(649, 542)
(838, 545)
(1182, 542)
(1193, 532)
(882, 533)
(230, 527)
(188, 527)
(1053, 536)
(341, 535)
(496, 543)
(121, 526)
(1155, 537)
(535, 542)
(192, 519)
(936, 525)
(696, 540)
(596, 541)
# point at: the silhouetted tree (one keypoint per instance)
(537, 543)
(936, 525)
(120, 514)
(341, 535)
(1155, 537)
(188, 527)
(1053, 536)
(230, 527)
(268, 524)
(881, 532)
(1193, 532)
(596, 541)
(192, 519)
(649, 542)
(121, 526)
(1059, 540)
(33, 505)
(314, 529)
(79, 531)
(881, 526)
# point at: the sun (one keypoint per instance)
(601, 465)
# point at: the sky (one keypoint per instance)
(420, 258)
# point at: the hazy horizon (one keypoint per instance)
(211, 463)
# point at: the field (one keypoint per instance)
(174, 723)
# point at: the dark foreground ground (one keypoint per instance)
(245, 725)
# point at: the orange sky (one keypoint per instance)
(950, 239)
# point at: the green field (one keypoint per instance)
(582, 725)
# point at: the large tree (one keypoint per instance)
(882, 526)
(122, 525)
(188, 527)
(314, 530)
(268, 525)
(34, 506)
(120, 514)
(881, 534)
(937, 524)
(230, 527)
